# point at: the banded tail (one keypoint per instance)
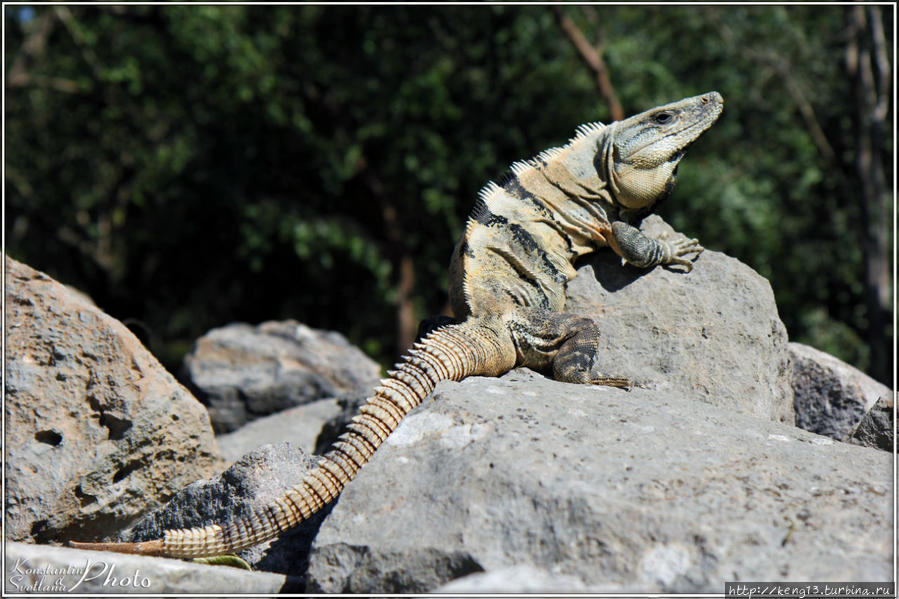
(451, 352)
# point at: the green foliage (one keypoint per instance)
(231, 560)
(189, 166)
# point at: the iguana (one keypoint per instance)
(508, 277)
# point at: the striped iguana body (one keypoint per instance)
(507, 288)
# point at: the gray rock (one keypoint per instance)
(300, 425)
(354, 568)
(96, 430)
(348, 406)
(59, 571)
(254, 480)
(876, 428)
(515, 579)
(831, 397)
(712, 334)
(643, 491)
(242, 372)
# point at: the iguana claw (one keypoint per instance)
(675, 250)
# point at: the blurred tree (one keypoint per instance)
(193, 165)
(870, 75)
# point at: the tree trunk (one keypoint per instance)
(869, 73)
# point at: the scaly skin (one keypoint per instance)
(507, 287)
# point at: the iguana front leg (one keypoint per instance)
(636, 248)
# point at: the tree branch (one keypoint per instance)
(592, 57)
(65, 15)
(794, 89)
(34, 44)
(882, 62)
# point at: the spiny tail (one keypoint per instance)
(449, 353)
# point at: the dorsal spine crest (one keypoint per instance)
(588, 129)
(542, 159)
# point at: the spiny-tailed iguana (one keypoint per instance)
(507, 288)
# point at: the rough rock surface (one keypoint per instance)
(242, 372)
(96, 430)
(300, 425)
(713, 334)
(60, 571)
(254, 480)
(644, 490)
(515, 579)
(348, 406)
(831, 397)
(876, 428)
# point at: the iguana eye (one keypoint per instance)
(663, 117)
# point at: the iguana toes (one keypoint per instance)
(508, 277)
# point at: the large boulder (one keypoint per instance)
(301, 426)
(515, 579)
(642, 491)
(96, 430)
(712, 334)
(242, 372)
(875, 429)
(831, 397)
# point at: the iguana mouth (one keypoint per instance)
(687, 131)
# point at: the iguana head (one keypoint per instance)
(641, 155)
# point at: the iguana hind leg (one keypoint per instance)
(565, 342)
